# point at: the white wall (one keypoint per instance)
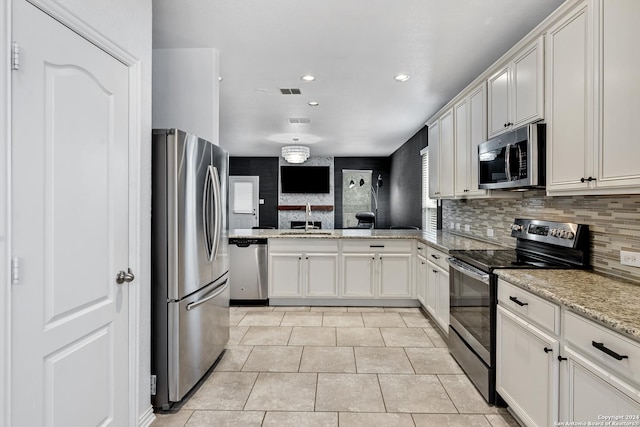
(125, 24)
(186, 91)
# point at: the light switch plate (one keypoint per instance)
(467, 227)
(489, 232)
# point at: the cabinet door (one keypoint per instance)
(421, 280)
(462, 147)
(358, 275)
(569, 103)
(619, 150)
(321, 275)
(498, 94)
(285, 275)
(395, 276)
(442, 307)
(477, 134)
(432, 289)
(446, 155)
(590, 392)
(528, 91)
(526, 373)
(434, 163)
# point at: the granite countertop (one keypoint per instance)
(607, 301)
(441, 240)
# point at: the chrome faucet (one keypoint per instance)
(307, 215)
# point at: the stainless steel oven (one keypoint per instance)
(474, 289)
(472, 318)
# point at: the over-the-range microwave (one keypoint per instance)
(513, 160)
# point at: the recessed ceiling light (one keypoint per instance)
(313, 103)
(402, 77)
(307, 78)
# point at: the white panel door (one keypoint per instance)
(321, 275)
(70, 210)
(244, 202)
(395, 276)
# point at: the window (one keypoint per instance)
(429, 206)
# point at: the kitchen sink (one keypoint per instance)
(307, 232)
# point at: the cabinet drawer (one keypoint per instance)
(421, 249)
(528, 306)
(603, 345)
(377, 246)
(303, 245)
(438, 258)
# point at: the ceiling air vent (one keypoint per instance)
(299, 120)
(290, 91)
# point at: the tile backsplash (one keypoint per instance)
(614, 223)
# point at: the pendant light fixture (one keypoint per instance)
(295, 153)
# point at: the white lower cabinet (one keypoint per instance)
(580, 376)
(421, 279)
(377, 269)
(319, 268)
(438, 295)
(303, 268)
(590, 392)
(527, 369)
(600, 375)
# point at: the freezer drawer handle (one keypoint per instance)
(214, 293)
(600, 346)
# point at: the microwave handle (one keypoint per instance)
(507, 162)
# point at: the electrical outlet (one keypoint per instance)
(467, 227)
(630, 258)
(457, 226)
(489, 232)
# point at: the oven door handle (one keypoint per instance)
(468, 270)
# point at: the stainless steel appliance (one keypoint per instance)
(474, 289)
(513, 160)
(248, 270)
(189, 283)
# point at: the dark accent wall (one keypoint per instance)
(406, 181)
(379, 166)
(267, 169)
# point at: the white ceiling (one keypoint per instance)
(354, 48)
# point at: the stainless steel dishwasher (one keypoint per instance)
(248, 270)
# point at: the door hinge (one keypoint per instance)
(153, 385)
(15, 56)
(15, 270)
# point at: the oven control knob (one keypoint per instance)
(555, 232)
(516, 227)
(570, 235)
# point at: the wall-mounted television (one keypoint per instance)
(305, 179)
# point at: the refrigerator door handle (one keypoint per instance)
(214, 293)
(206, 213)
(213, 172)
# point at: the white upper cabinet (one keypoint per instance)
(441, 156)
(470, 117)
(593, 97)
(516, 91)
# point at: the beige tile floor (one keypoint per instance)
(335, 366)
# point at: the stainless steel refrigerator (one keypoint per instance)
(190, 262)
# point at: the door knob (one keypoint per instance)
(122, 277)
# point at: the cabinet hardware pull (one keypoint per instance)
(520, 303)
(582, 179)
(435, 256)
(548, 350)
(376, 246)
(560, 358)
(435, 271)
(600, 346)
